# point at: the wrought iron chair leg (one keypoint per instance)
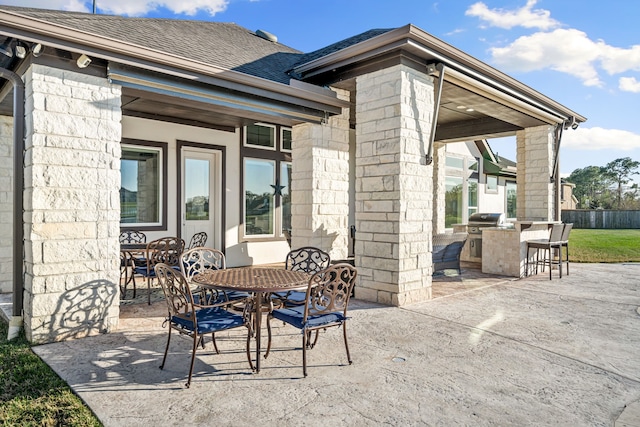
(215, 346)
(266, 354)
(133, 280)
(166, 349)
(315, 340)
(193, 357)
(249, 335)
(304, 352)
(346, 344)
(149, 290)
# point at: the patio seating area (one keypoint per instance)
(507, 352)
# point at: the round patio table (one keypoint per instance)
(260, 281)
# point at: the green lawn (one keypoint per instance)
(31, 394)
(604, 245)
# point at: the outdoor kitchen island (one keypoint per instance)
(504, 249)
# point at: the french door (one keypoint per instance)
(201, 184)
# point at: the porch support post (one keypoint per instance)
(439, 187)
(72, 204)
(535, 155)
(394, 186)
(320, 184)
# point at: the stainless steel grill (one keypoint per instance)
(477, 222)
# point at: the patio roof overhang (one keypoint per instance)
(494, 104)
(176, 87)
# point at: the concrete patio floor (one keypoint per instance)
(485, 351)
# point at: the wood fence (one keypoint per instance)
(602, 218)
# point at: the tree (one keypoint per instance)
(591, 186)
(620, 171)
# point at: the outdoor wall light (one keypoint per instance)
(21, 50)
(5, 49)
(37, 49)
(83, 61)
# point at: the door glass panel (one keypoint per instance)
(197, 178)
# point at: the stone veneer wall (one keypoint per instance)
(320, 184)
(6, 204)
(439, 187)
(72, 182)
(535, 200)
(394, 188)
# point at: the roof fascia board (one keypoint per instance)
(61, 37)
(414, 38)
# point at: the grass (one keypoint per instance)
(31, 394)
(607, 246)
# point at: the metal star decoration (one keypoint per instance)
(277, 189)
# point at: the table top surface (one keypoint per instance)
(253, 279)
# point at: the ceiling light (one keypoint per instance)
(461, 107)
(83, 61)
(470, 109)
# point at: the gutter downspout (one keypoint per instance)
(556, 172)
(555, 177)
(15, 323)
(433, 70)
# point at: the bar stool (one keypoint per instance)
(564, 243)
(547, 245)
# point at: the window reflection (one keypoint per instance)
(140, 185)
(259, 176)
(196, 186)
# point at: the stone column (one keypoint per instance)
(439, 187)
(6, 204)
(72, 183)
(535, 152)
(320, 184)
(394, 187)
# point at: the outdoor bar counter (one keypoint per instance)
(504, 249)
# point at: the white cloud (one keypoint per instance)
(526, 16)
(128, 7)
(597, 138)
(629, 84)
(569, 51)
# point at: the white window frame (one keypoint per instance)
(262, 147)
(161, 190)
(282, 130)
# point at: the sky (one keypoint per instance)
(584, 54)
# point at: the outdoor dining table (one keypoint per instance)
(259, 281)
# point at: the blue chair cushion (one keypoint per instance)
(294, 316)
(292, 297)
(211, 319)
(142, 270)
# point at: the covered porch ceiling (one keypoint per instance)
(477, 101)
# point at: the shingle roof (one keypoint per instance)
(225, 45)
(308, 57)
